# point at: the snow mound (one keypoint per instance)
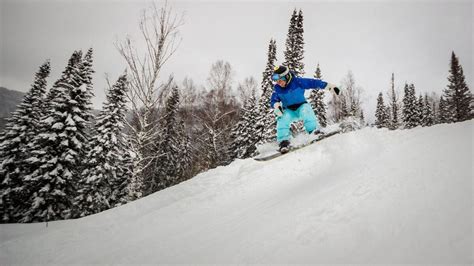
(368, 196)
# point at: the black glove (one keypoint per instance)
(331, 86)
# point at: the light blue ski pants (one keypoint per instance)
(304, 112)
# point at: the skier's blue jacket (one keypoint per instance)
(293, 93)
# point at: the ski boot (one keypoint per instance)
(284, 146)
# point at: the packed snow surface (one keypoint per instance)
(370, 196)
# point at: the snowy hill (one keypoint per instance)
(371, 196)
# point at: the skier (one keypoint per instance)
(290, 105)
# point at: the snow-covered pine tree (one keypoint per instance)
(290, 43)
(294, 53)
(394, 106)
(318, 74)
(106, 175)
(472, 107)
(388, 112)
(299, 42)
(59, 148)
(173, 147)
(244, 133)
(316, 99)
(184, 171)
(420, 106)
(266, 122)
(409, 110)
(428, 117)
(81, 108)
(19, 131)
(444, 115)
(457, 94)
(381, 117)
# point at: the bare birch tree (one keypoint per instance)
(218, 114)
(159, 34)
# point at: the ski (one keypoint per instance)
(277, 154)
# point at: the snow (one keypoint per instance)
(58, 125)
(49, 120)
(368, 196)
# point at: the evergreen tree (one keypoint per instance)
(428, 117)
(472, 107)
(266, 122)
(59, 148)
(107, 173)
(410, 115)
(173, 147)
(299, 52)
(457, 94)
(444, 115)
(294, 52)
(316, 99)
(434, 108)
(420, 106)
(394, 108)
(318, 74)
(244, 133)
(381, 117)
(19, 132)
(388, 111)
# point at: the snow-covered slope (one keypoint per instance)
(371, 196)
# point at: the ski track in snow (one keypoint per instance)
(370, 196)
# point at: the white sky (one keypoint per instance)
(413, 39)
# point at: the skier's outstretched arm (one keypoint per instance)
(317, 84)
(310, 83)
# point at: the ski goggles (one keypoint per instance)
(277, 77)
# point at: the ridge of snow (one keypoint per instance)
(370, 196)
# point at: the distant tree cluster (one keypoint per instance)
(454, 105)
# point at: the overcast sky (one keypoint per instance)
(413, 39)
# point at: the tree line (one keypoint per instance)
(59, 161)
(454, 105)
